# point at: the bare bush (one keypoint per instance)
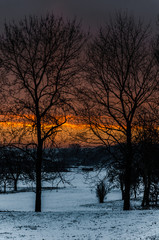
(101, 191)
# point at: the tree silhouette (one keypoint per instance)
(41, 58)
(121, 76)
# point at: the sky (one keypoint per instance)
(92, 12)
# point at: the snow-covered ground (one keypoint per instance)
(74, 213)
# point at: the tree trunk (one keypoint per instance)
(146, 198)
(128, 169)
(4, 187)
(38, 166)
(127, 188)
(148, 192)
(135, 192)
(38, 179)
(122, 188)
(15, 185)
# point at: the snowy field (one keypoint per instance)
(74, 213)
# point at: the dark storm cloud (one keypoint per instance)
(92, 12)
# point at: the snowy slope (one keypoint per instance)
(74, 213)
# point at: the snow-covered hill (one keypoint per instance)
(74, 213)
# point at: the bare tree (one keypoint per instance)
(121, 76)
(15, 161)
(147, 139)
(41, 57)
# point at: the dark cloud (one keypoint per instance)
(92, 12)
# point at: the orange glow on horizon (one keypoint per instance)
(15, 127)
(70, 132)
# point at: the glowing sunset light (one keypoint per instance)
(15, 126)
(74, 130)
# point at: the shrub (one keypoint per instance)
(101, 191)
